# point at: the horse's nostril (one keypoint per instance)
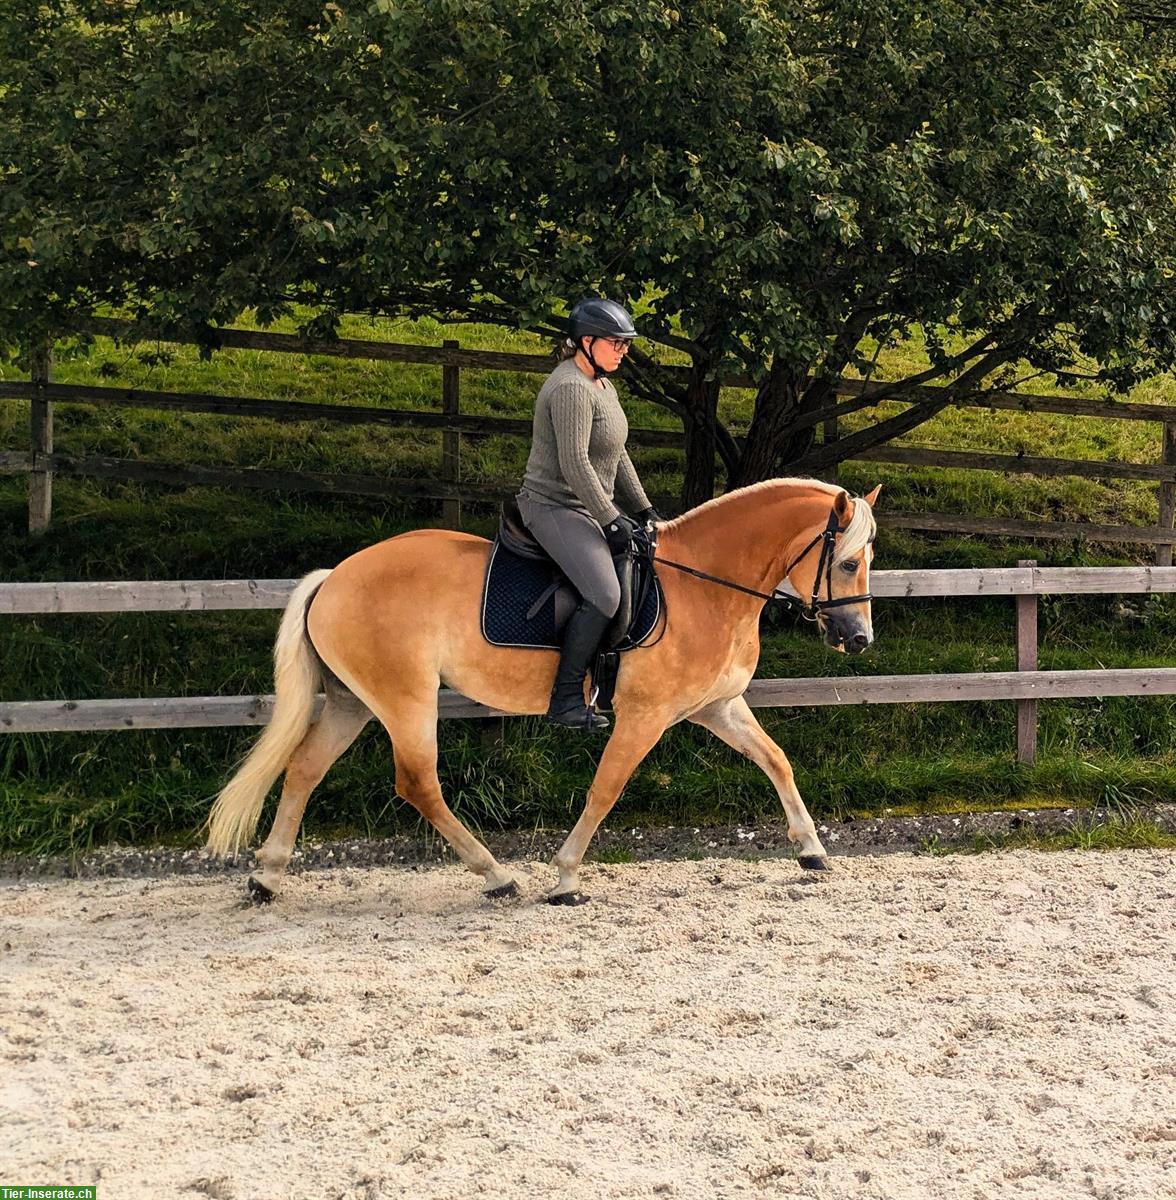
(858, 642)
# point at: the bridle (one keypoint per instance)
(827, 539)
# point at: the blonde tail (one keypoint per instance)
(297, 676)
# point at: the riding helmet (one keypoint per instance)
(600, 318)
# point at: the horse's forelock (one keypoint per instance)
(861, 528)
(857, 534)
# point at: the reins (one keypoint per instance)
(828, 541)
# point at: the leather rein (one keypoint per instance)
(827, 539)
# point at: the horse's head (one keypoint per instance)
(831, 574)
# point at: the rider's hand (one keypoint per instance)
(619, 533)
(648, 516)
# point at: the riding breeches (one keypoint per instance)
(576, 542)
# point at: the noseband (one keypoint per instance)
(827, 539)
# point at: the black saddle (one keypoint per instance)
(527, 599)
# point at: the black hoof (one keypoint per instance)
(814, 862)
(259, 893)
(508, 891)
(568, 898)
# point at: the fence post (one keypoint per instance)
(1027, 661)
(451, 439)
(41, 445)
(1167, 494)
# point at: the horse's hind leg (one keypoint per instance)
(413, 729)
(734, 722)
(342, 719)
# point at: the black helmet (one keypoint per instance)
(599, 318)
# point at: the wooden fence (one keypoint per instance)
(42, 463)
(1026, 685)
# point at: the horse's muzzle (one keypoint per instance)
(850, 637)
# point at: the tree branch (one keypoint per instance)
(885, 431)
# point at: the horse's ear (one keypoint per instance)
(871, 497)
(841, 505)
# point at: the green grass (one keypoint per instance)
(65, 792)
(615, 855)
(1121, 832)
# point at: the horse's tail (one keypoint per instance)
(297, 676)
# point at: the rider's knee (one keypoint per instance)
(607, 598)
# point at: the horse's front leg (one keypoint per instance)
(632, 739)
(734, 722)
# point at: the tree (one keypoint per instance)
(785, 186)
(997, 177)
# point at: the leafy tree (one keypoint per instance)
(784, 186)
(995, 176)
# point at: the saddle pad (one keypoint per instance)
(512, 587)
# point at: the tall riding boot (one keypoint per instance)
(581, 638)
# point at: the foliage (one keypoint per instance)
(782, 186)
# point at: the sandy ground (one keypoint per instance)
(902, 1027)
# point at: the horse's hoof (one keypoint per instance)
(814, 862)
(568, 898)
(259, 893)
(508, 891)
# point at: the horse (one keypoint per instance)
(382, 631)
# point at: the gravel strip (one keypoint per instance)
(749, 841)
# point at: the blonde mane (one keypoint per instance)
(854, 537)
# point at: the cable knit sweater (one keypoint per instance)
(578, 453)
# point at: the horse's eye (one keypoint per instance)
(850, 566)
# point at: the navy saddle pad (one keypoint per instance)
(526, 603)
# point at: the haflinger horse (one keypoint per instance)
(393, 623)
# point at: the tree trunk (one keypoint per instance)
(771, 445)
(700, 427)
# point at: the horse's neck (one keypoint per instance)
(746, 537)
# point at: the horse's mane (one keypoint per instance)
(854, 537)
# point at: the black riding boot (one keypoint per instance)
(581, 638)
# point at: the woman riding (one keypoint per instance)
(577, 462)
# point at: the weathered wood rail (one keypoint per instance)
(41, 463)
(1026, 685)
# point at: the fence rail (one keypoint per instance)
(41, 463)
(206, 595)
(1026, 685)
(197, 712)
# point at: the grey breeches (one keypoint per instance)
(577, 544)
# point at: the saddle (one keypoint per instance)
(527, 599)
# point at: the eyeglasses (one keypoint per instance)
(620, 345)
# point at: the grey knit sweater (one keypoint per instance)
(578, 453)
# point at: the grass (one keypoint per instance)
(614, 855)
(66, 792)
(1121, 832)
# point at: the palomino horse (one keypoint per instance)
(396, 621)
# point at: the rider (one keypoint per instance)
(577, 460)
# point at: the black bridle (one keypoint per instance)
(815, 607)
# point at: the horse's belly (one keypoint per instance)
(512, 681)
